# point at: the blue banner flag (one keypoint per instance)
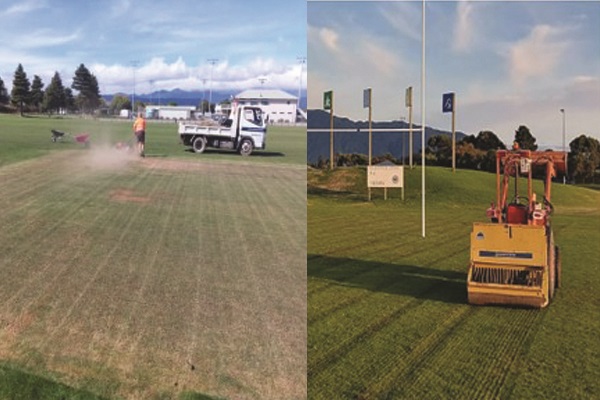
(448, 102)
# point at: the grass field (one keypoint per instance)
(387, 311)
(29, 137)
(174, 276)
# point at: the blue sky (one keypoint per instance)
(171, 42)
(510, 63)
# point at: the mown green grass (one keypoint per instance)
(20, 385)
(387, 311)
(29, 137)
(179, 276)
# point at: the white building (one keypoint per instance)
(279, 105)
(170, 112)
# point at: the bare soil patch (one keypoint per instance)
(127, 196)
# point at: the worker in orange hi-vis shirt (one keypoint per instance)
(139, 128)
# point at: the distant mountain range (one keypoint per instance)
(358, 142)
(192, 98)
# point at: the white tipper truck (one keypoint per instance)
(244, 131)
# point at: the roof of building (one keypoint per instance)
(172, 108)
(274, 94)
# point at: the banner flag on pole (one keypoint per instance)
(448, 102)
(327, 100)
(408, 99)
(367, 98)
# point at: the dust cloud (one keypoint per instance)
(98, 159)
(107, 158)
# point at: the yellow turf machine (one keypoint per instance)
(513, 258)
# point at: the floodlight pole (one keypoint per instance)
(423, 121)
(204, 95)
(212, 62)
(134, 64)
(302, 61)
(262, 83)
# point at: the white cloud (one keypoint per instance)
(120, 8)
(46, 38)
(24, 7)
(537, 55)
(463, 28)
(379, 59)
(329, 38)
(158, 74)
(404, 17)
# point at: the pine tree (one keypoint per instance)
(37, 92)
(20, 91)
(87, 86)
(4, 99)
(69, 100)
(525, 138)
(54, 98)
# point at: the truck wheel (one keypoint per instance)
(558, 266)
(199, 144)
(246, 147)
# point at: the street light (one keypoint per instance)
(562, 110)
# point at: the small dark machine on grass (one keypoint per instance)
(82, 138)
(514, 260)
(57, 135)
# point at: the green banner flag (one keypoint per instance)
(408, 99)
(327, 100)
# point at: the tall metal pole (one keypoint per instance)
(134, 64)
(302, 61)
(403, 144)
(212, 62)
(423, 122)
(203, 94)
(454, 134)
(262, 83)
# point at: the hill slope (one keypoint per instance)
(395, 143)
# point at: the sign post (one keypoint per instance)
(328, 105)
(386, 177)
(367, 97)
(449, 105)
(408, 101)
(367, 93)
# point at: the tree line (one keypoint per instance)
(32, 96)
(27, 96)
(479, 152)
